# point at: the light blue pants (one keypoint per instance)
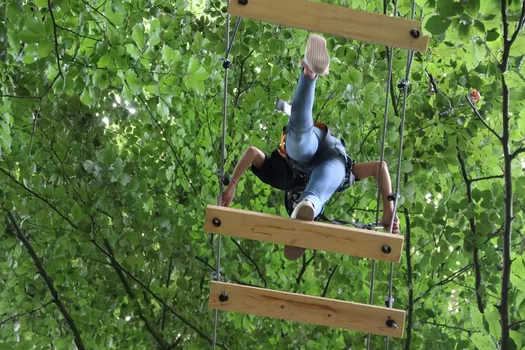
(304, 144)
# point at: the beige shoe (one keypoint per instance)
(303, 211)
(316, 55)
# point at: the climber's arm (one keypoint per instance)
(252, 156)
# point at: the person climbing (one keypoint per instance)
(309, 149)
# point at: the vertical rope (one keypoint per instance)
(390, 52)
(221, 174)
(226, 65)
(379, 180)
(405, 84)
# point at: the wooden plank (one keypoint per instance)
(307, 309)
(306, 234)
(337, 20)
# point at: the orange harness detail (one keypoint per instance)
(282, 148)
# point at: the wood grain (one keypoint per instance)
(337, 20)
(307, 309)
(306, 234)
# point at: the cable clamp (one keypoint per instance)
(393, 196)
(226, 64)
(216, 276)
(403, 83)
(389, 301)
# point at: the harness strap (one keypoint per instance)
(348, 180)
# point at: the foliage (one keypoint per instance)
(109, 142)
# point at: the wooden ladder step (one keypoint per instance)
(337, 20)
(306, 234)
(307, 309)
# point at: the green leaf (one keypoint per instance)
(517, 338)
(464, 30)
(437, 24)
(518, 46)
(116, 169)
(138, 36)
(448, 8)
(105, 61)
(513, 79)
(492, 35)
(41, 3)
(62, 344)
(14, 41)
(193, 65)
(472, 7)
(29, 36)
(200, 74)
(35, 25)
(85, 97)
(355, 76)
(5, 138)
(126, 92)
(475, 53)
(133, 81)
(44, 48)
(479, 26)
(163, 110)
(90, 166)
(171, 56)
(490, 7)
(482, 342)
(133, 51)
(493, 319)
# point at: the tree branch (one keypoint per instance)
(236, 280)
(432, 82)
(78, 34)
(156, 335)
(469, 331)
(476, 112)
(241, 78)
(325, 290)
(324, 104)
(252, 261)
(48, 281)
(409, 277)
(100, 13)
(56, 36)
(155, 295)
(169, 145)
(520, 24)
(517, 152)
(445, 281)
(25, 313)
(487, 178)
(39, 197)
(472, 222)
(503, 307)
(305, 265)
(168, 279)
(516, 325)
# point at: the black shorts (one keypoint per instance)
(275, 172)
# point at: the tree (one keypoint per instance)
(109, 148)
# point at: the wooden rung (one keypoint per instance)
(307, 309)
(337, 20)
(306, 234)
